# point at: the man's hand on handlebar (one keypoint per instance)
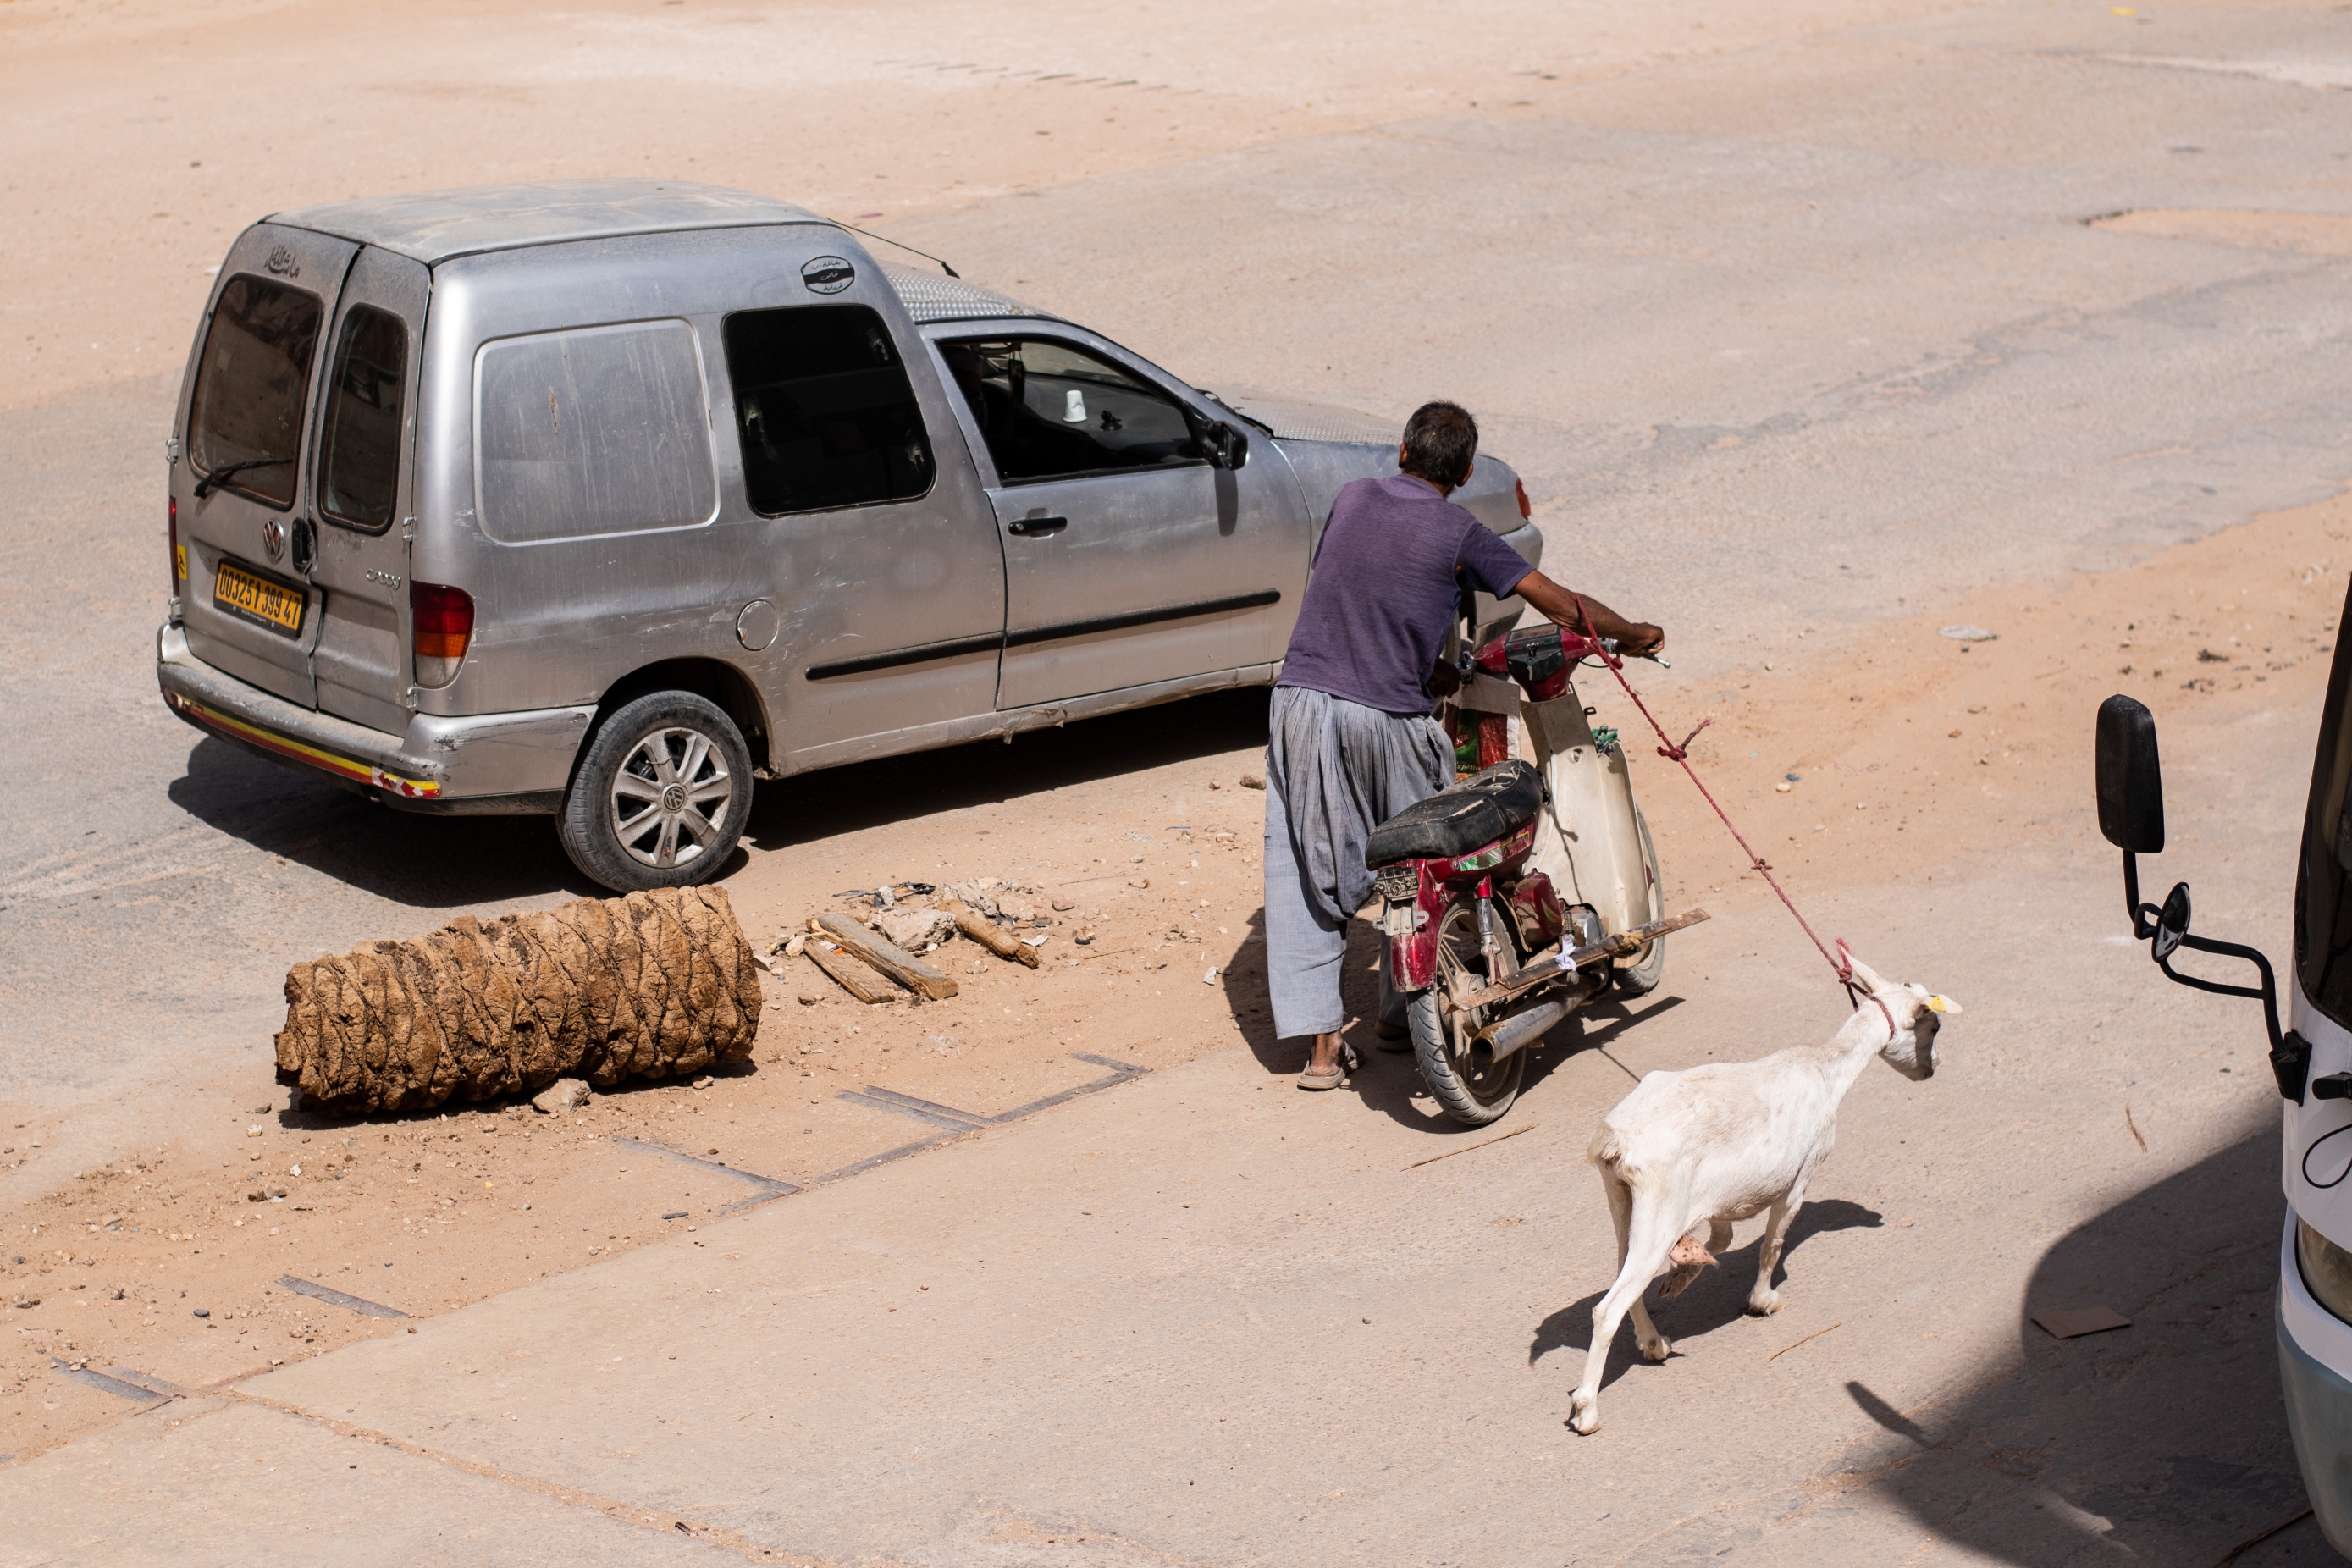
(1635, 639)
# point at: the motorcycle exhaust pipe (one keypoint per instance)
(1500, 1038)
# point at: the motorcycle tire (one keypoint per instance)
(1469, 1093)
(1642, 976)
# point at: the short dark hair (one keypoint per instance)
(1440, 440)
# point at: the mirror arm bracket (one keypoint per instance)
(2142, 927)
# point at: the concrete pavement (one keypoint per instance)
(1203, 1319)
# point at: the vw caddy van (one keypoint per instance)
(602, 500)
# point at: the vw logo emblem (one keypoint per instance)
(273, 537)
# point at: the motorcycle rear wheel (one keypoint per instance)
(1642, 976)
(1470, 1092)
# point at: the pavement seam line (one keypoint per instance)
(611, 1507)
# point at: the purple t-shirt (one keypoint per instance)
(1382, 596)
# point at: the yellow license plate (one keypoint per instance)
(258, 600)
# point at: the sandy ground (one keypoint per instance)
(139, 143)
(1908, 757)
(137, 128)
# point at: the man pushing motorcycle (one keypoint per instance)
(1351, 740)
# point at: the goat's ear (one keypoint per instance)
(1943, 1004)
(1865, 976)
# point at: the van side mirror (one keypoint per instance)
(1225, 446)
(2131, 779)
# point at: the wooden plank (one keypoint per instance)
(989, 934)
(854, 977)
(894, 962)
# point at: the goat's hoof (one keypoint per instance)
(1658, 1349)
(1584, 1416)
(1764, 1306)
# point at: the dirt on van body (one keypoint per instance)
(656, 985)
(1912, 751)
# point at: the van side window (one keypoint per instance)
(359, 471)
(596, 430)
(1048, 409)
(251, 386)
(827, 415)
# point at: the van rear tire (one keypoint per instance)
(660, 796)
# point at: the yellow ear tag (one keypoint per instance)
(1938, 1005)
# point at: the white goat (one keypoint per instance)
(1688, 1153)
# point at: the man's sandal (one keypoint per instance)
(1310, 1079)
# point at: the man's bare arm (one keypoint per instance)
(1558, 606)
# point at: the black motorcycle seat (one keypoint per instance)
(1458, 820)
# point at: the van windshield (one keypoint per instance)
(251, 386)
(2323, 902)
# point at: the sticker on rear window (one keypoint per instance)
(827, 274)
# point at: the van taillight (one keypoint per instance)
(1525, 510)
(444, 622)
(179, 561)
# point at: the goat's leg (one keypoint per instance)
(1646, 1244)
(1764, 1299)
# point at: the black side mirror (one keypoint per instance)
(1226, 448)
(2131, 779)
(2131, 816)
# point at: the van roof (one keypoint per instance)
(433, 226)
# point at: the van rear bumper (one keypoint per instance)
(490, 764)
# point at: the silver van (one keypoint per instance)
(601, 500)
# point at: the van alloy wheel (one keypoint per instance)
(669, 796)
(660, 794)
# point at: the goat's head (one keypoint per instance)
(1916, 1013)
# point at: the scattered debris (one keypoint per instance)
(1967, 633)
(656, 985)
(2135, 1130)
(916, 930)
(853, 976)
(2238, 1550)
(990, 935)
(564, 1094)
(2072, 1323)
(1251, 781)
(1809, 1339)
(1448, 1154)
(893, 960)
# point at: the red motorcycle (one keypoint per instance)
(1526, 890)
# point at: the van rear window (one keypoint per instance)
(824, 410)
(251, 386)
(598, 430)
(359, 467)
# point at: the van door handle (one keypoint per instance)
(1026, 526)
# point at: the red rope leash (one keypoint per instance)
(1841, 963)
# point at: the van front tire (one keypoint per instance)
(660, 796)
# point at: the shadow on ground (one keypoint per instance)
(432, 862)
(2163, 1443)
(866, 794)
(443, 861)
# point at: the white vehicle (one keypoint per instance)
(2311, 1061)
